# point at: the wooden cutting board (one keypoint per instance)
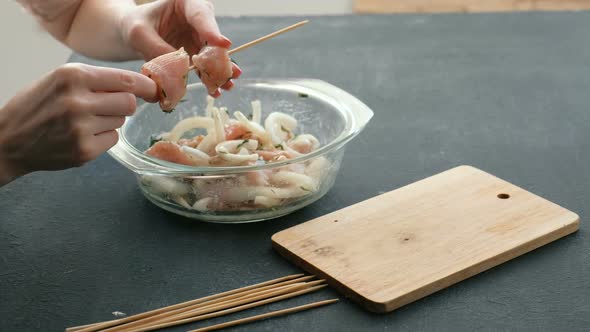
(403, 245)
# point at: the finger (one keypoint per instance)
(101, 124)
(112, 104)
(236, 71)
(102, 79)
(228, 85)
(215, 94)
(98, 144)
(148, 42)
(200, 15)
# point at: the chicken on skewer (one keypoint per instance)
(212, 64)
(214, 67)
(170, 72)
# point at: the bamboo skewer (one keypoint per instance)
(102, 325)
(228, 311)
(215, 307)
(208, 304)
(78, 328)
(270, 35)
(265, 316)
(263, 38)
(169, 316)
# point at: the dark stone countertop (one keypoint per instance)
(507, 93)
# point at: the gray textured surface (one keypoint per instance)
(507, 93)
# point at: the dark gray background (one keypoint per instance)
(507, 93)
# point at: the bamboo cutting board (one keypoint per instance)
(398, 247)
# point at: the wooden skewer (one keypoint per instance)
(78, 328)
(228, 311)
(263, 38)
(270, 35)
(215, 307)
(208, 304)
(102, 325)
(169, 316)
(265, 316)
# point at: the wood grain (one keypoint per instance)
(466, 6)
(398, 247)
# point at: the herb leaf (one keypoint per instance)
(303, 95)
(242, 144)
(155, 139)
(279, 146)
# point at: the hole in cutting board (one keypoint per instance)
(503, 196)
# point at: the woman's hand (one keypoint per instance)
(67, 118)
(166, 25)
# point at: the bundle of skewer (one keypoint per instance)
(218, 305)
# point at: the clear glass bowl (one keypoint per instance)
(221, 194)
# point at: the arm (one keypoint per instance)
(119, 30)
(90, 27)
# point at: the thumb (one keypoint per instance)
(201, 16)
(148, 42)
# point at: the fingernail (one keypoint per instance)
(237, 71)
(215, 94)
(228, 86)
(225, 39)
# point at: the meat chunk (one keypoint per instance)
(214, 67)
(170, 72)
(171, 152)
(237, 131)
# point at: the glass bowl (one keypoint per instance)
(223, 194)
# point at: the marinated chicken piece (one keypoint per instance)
(171, 152)
(170, 72)
(237, 131)
(213, 66)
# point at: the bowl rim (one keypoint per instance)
(145, 164)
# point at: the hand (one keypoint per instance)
(67, 118)
(166, 25)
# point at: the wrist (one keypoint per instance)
(95, 30)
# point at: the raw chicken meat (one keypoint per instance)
(237, 131)
(171, 152)
(214, 67)
(170, 72)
